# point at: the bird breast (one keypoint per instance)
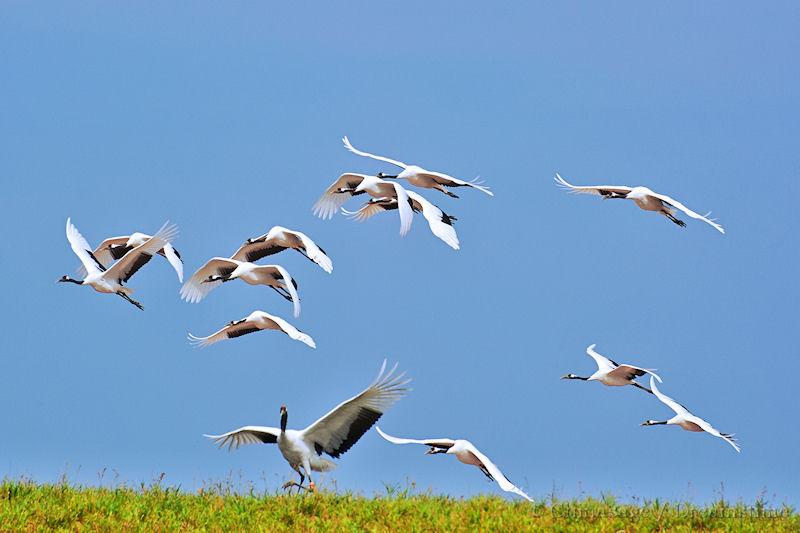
(292, 447)
(689, 426)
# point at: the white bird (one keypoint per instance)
(441, 223)
(351, 184)
(419, 177)
(219, 270)
(255, 321)
(687, 420)
(278, 239)
(467, 453)
(613, 374)
(114, 248)
(333, 434)
(111, 280)
(643, 197)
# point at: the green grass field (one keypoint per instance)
(26, 506)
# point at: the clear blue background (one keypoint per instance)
(227, 120)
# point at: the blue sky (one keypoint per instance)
(228, 121)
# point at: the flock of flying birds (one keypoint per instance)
(110, 266)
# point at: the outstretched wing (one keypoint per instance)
(498, 476)
(246, 435)
(337, 194)
(135, 259)
(672, 404)
(197, 287)
(174, 259)
(259, 248)
(83, 250)
(450, 181)
(280, 324)
(442, 444)
(404, 208)
(313, 251)
(109, 251)
(727, 437)
(677, 205)
(599, 190)
(231, 331)
(337, 431)
(440, 223)
(350, 147)
(371, 208)
(278, 272)
(603, 363)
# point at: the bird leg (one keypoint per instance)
(677, 221)
(131, 300)
(292, 483)
(641, 387)
(305, 254)
(486, 472)
(283, 292)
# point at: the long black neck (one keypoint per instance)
(75, 281)
(578, 377)
(284, 419)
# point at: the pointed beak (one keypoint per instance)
(565, 376)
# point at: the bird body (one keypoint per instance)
(440, 223)
(687, 420)
(111, 280)
(352, 184)
(255, 321)
(218, 270)
(278, 239)
(464, 451)
(114, 248)
(643, 197)
(613, 374)
(333, 434)
(418, 176)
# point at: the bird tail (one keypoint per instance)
(319, 464)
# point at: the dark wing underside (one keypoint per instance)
(234, 332)
(141, 260)
(118, 251)
(365, 419)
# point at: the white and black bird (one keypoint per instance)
(278, 239)
(467, 453)
(111, 280)
(114, 248)
(614, 374)
(351, 184)
(255, 321)
(333, 434)
(441, 223)
(219, 270)
(643, 197)
(687, 420)
(419, 177)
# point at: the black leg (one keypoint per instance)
(641, 387)
(131, 300)
(677, 221)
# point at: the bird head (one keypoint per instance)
(433, 451)
(651, 423)
(284, 417)
(569, 376)
(67, 279)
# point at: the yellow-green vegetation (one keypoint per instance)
(26, 506)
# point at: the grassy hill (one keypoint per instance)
(28, 506)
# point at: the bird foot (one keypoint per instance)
(289, 484)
